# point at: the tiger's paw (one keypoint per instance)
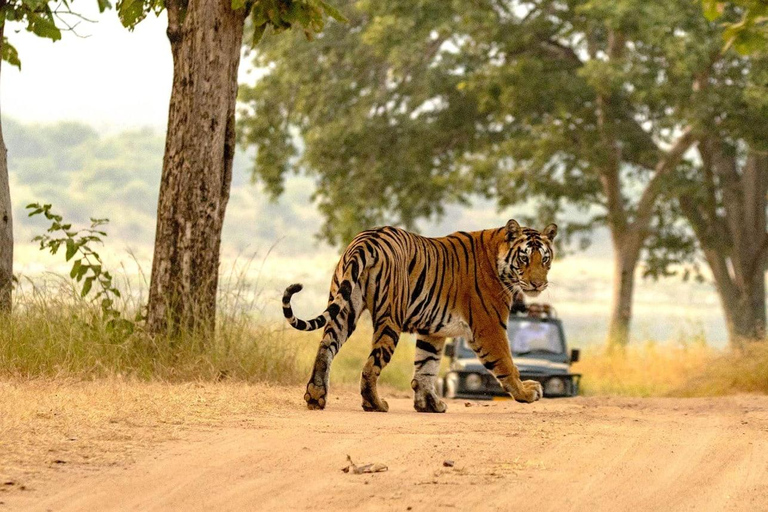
(315, 396)
(371, 400)
(531, 391)
(376, 406)
(426, 400)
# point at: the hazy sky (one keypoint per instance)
(111, 79)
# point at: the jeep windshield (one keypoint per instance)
(526, 337)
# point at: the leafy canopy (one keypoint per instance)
(415, 104)
(39, 18)
(278, 14)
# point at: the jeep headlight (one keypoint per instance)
(473, 382)
(554, 386)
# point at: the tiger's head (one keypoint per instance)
(525, 257)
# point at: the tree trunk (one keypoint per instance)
(729, 220)
(626, 252)
(206, 38)
(743, 306)
(628, 237)
(747, 316)
(6, 221)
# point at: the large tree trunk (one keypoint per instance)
(6, 220)
(743, 305)
(744, 202)
(205, 37)
(729, 220)
(746, 318)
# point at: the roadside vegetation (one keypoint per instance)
(687, 368)
(56, 333)
(90, 324)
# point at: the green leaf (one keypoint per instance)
(131, 12)
(258, 33)
(43, 25)
(333, 12)
(87, 286)
(238, 4)
(9, 54)
(104, 5)
(71, 249)
(713, 9)
(76, 269)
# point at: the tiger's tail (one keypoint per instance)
(348, 283)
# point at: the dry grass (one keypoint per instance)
(682, 370)
(53, 333)
(737, 371)
(646, 370)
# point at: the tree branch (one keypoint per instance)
(711, 246)
(558, 51)
(617, 215)
(725, 168)
(665, 166)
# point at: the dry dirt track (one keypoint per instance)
(575, 454)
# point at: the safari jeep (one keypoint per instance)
(539, 351)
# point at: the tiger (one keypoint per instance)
(463, 284)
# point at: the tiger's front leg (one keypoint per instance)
(493, 351)
(429, 349)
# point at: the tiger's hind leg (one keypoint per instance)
(429, 349)
(334, 335)
(385, 340)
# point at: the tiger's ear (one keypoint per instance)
(513, 230)
(550, 231)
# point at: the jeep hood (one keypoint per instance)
(526, 365)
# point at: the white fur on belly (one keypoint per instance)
(455, 328)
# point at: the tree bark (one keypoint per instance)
(729, 222)
(744, 204)
(743, 306)
(6, 219)
(206, 38)
(626, 253)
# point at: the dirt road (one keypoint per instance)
(575, 454)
